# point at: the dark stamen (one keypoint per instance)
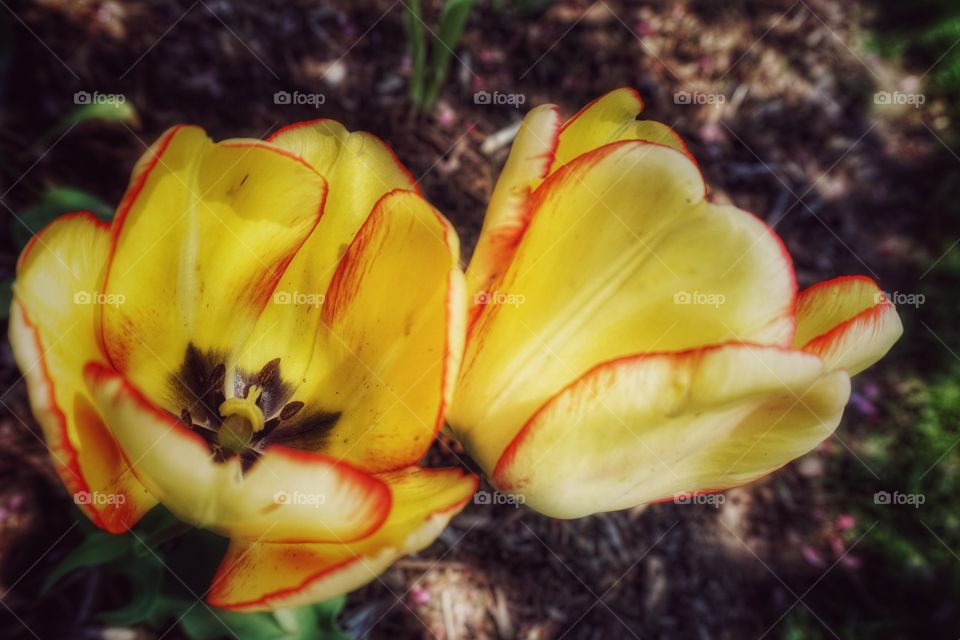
(268, 373)
(268, 427)
(290, 409)
(308, 433)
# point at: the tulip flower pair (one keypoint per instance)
(269, 335)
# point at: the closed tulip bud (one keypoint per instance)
(661, 348)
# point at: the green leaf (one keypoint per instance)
(167, 575)
(199, 621)
(55, 202)
(453, 18)
(328, 611)
(94, 107)
(115, 110)
(120, 110)
(146, 577)
(416, 48)
(99, 547)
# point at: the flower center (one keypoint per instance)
(262, 412)
(242, 418)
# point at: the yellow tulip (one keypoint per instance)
(629, 340)
(264, 340)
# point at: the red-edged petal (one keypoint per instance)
(638, 429)
(613, 117)
(258, 577)
(52, 333)
(392, 336)
(199, 242)
(83, 452)
(848, 322)
(359, 169)
(287, 496)
(508, 213)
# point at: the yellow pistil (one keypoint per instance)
(241, 419)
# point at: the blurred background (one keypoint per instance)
(835, 121)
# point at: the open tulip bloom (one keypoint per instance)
(264, 340)
(268, 336)
(629, 340)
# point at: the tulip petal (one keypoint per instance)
(648, 427)
(52, 334)
(846, 321)
(541, 147)
(287, 496)
(611, 118)
(258, 576)
(623, 255)
(508, 213)
(200, 240)
(359, 170)
(359, 167)
(392, 339)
